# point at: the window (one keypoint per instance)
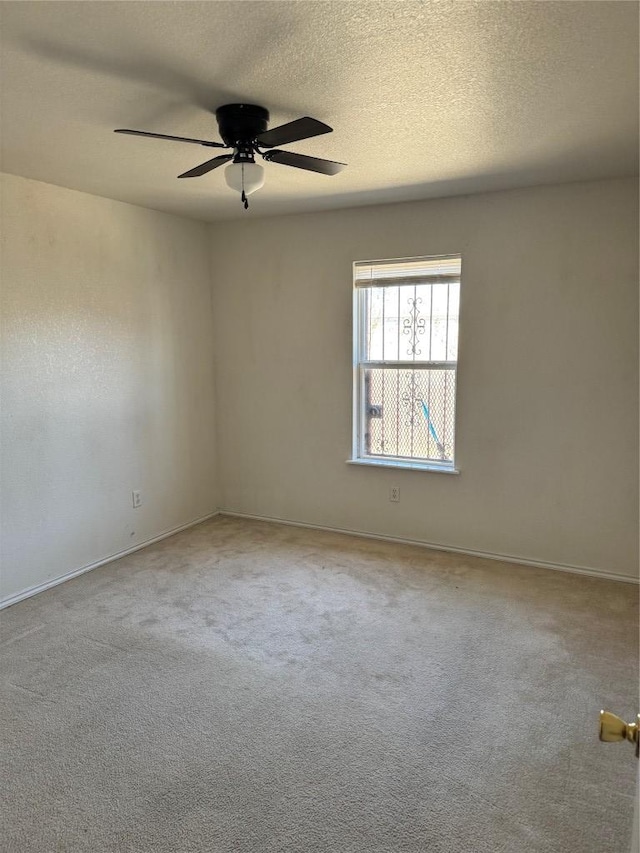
(405, 361)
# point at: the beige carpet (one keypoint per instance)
(259, 688)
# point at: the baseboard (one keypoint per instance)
(503, 558)
(34, 590)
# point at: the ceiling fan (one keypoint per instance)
(243, 127)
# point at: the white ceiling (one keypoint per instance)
(426, 99)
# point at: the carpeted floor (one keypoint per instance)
(251, 688)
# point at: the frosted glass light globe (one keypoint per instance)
(251, 174)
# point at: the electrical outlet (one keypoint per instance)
(136, 499)
(394, 494)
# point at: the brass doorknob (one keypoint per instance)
(613, 729)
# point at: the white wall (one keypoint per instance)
(107, 379)
(107, 375)
(547, 438)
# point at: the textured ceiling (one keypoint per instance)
(425, 98)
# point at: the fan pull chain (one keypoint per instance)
(243, 196)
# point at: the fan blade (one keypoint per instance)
(203, 168)
(174, 138)
(301, 128)
(301, 161)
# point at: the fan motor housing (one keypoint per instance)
(241, 123)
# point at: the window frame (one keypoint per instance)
(360, 364)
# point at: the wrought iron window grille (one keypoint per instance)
(406, 318)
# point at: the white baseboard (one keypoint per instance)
(503, 558)
(34, 590)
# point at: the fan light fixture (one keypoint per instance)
(243, 129)
(245, 178)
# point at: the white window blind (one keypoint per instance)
(414, 270)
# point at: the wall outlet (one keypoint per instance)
(394, 494)
(136, 499)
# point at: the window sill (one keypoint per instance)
(410, 466)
